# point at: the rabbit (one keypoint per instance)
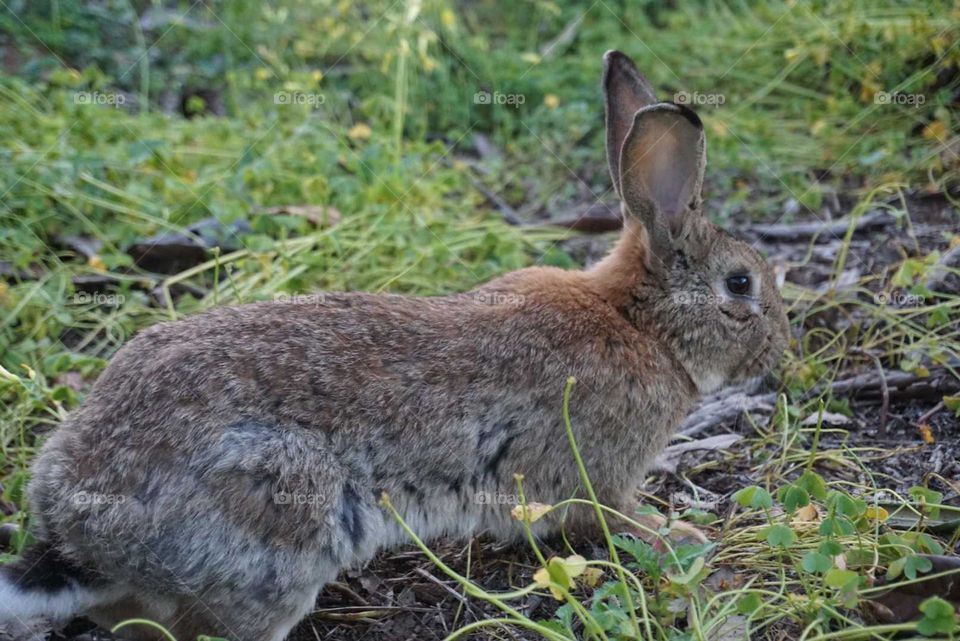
(228, 465)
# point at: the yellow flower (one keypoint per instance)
(303, 48)
(97, 263)
(940, 44)
(591, 577)
(316, 75)
(448, 18)
(820, 55)
(360, 131)
(551, 101)
(262, 73)
(559, 573)
(868, 89)
(936, 130)
(718, 127)
(877, 514)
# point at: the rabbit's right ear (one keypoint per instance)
(661, 172)
(625, 92)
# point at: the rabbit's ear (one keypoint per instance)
(625, 91)
(662, 171)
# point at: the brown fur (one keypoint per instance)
(198, 426)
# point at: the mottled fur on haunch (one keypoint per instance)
(225, 467)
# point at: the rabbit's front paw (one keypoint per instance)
(680, 532)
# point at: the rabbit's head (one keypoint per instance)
(711, 297)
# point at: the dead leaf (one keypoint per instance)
(723, 579)
(829, 418)
(407, 598)
(86, 246)
(806, 514)
(532, 511)
(734, 628)
(172, 253)
(73, 380)
(902, 603)
(370, 583)
(316, 215)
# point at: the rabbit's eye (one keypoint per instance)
(739, 284)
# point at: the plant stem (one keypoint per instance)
(571, 381)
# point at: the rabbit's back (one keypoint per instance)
(286, 422)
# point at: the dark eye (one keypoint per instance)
(739, 284)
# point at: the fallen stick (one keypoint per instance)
(899, 384)
(600, 218)
(818, 230)
(510, 215)
(595, 219)
(727, 407)
(669, 458)
(563, 39)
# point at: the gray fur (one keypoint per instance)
(240, 453)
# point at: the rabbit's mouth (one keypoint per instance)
(760, 361)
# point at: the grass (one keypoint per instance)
(142, 120)
(812, 553)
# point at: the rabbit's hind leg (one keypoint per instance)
(246, 618)
(153, 607)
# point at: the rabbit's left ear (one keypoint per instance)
(625, 91)
(661, 171)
